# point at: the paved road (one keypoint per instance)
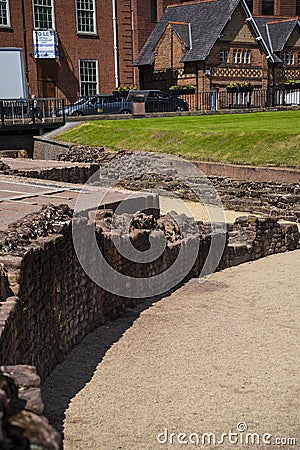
(204, 359)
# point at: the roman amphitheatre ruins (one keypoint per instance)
(103, 370)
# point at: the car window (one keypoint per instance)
(80, 102)
(109, 99)
(92, 101)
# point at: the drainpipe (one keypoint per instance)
(116, 51)
(25, 43)
(132, 42)
(190, 36)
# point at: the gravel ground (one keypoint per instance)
(204, 359)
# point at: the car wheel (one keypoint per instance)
(126, 111)
(77, 113)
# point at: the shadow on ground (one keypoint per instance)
(69, 377)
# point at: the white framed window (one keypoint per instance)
(288, 58)
(85, 15)
(43, 14)
(298, 58)
(248, 57)
(88, 76)
(224, 56)
(4, 13)
(234, 56)
(241, 56)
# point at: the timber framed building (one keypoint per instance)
(213, 43)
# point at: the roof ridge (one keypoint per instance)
(276, 19)
(292, 19)
(179, 23)
(174, 5)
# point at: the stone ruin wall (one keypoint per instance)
(51, 304)
(48, 304)
(42, 317)
(269, 191)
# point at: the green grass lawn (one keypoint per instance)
(271, 138)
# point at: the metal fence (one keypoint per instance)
(49, 111)
(24, 112)
(257, 98)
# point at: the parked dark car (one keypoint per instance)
(97, 104)
(158, 101)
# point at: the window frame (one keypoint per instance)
(224, 56)
(248, 57)
(288, 58)
(94, 19)
(266, 5)
(241, 56)
(81, 83)
(153, 11)
(52, 16)
(8, 25)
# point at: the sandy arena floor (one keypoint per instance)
(209, 358)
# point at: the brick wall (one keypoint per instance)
(282, 8)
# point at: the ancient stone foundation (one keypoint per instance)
(48, 303)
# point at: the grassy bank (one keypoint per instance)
(259, 138)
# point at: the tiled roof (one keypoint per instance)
(182, 29)
(199, 24)
(207, 19)
(280, 33)
(276, 32)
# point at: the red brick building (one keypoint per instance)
(96, 42)
(81, 47)
(212, 43)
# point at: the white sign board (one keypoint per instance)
(45, 44)
(12, 78)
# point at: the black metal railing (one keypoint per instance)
(24, 112)
(49, 111)
(256, 98)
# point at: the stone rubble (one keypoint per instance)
(86, 154)
(43, 223)
(152, 171)
(4, 168)
(21, 426)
